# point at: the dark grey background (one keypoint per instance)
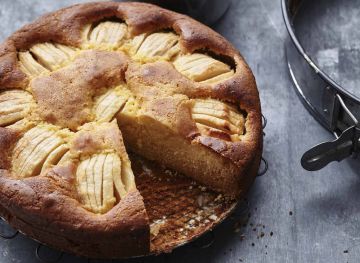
(314, 217)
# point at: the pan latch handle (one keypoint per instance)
(322, 154)
(342, 147)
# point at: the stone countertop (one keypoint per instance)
(293, 215)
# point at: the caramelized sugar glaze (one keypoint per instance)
(85, 84)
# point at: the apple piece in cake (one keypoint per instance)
(105, 35)
(15, 105)
(33, 149)
(160, 45)
(104, 174)
(216, 118)
(203, 68)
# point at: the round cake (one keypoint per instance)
(84, 86)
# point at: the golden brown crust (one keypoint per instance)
(127, 223)
(7, 141)
(23, 202)
(76, 85)
(240, 90)
(64, 26)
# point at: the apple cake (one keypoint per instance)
(82, 86)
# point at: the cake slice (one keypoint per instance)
(104, 175)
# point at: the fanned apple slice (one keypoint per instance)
(218, 109)
(213, 132)
(107, 175)
(108, 197)
(215, 122)
(202, 68)
(91, 182)
(31, 135)
(133, 45)
(10, 117)
(107, 33)
(14, 106)
(127, 175)
(29, 65)
(33, 149)
(217, 118)
(108, 104)
(97, 181)
(65, 159)
(116, 172)
(82, 186)
(98, 178)
(130, 108)
(21, 125)
(27, 144)
(160, 45)
(35, 160)
(52, 56)
(69, 51)
(15, 94)
(54, 157)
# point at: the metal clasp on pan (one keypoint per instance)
(345, 144)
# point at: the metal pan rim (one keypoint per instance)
(294, 39)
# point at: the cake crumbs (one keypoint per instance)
(213, 217)
(170, 172)
(237, 229)
(202, 188)
(147, 170)
(155, 226)
(219, 197)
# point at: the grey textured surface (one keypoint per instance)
(338, 22)
(325, 221)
